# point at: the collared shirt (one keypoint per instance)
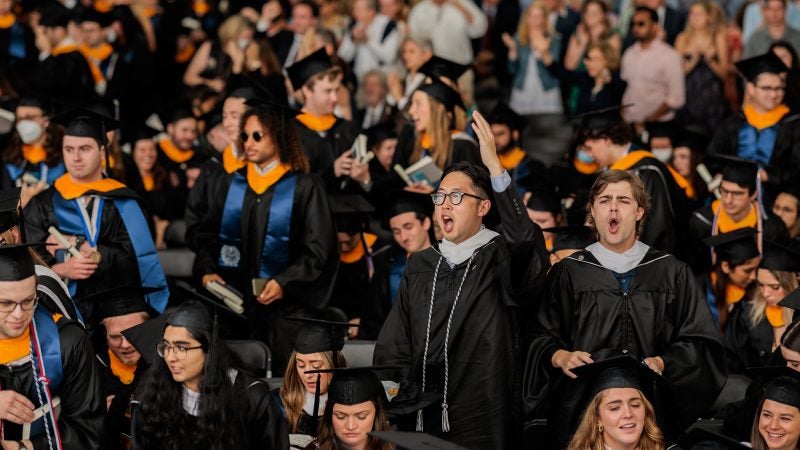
(654, 76)
(380, 49)
(447, 29)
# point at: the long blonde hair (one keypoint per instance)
(523, 31)
(589, 437)
(788, 281)
(716, 20)
(293, 390)
(440, 124)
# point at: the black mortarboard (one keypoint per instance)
(769, 62)
(379, 133)
(35, 102)
(404, 201)
(84, 122)
(572, 237)
(273, 107)
(600, 119)
(301, 71)
(619, 372)
(544, 200)
(415, 441)
(784, 257)
(178, 112)
(350, 212)
(320, 335)
(193, 315)
(792, 300)
(781, 384)
(693, 140)
(120, 300)
(246, 92)
(9, 208)
(660, 129)
(354, 385)
(440, 67)
(16, 262)
(737, 245)
(54, 15)
(703, 439)
(146, 336)
(143, 132)
(503, 114)
(743, 172)
(93, 15)
(443, 93)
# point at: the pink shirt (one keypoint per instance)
(654, 76)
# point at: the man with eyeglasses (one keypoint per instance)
(456, 326)
(269, 231)
(738, 207)
(49, 383)
(765, 131)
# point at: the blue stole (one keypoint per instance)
(16, 45)
(275, 252)
(396, 275)
(757, 145)
(53, 173)
(50, 343)
(70, 220)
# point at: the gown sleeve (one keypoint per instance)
(265, 425)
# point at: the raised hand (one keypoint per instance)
(487, 146)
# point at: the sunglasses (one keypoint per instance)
(256, 136)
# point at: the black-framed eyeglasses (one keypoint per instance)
(736, 194)
(456, 197)
(256, 136)
(179, 350)
(8, 306)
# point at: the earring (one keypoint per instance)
(600, 428)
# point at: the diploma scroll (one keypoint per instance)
(95, 257)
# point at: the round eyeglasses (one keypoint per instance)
(179, 350)
(456, 197)
(7, 306)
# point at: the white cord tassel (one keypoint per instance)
(419, 421)
(445, 419)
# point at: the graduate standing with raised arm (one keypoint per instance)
(454, 329)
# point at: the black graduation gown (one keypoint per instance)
(260, 423)
(664, 314)
(785, 161)
(118, 419)
(483, 394)
(65, 77)
(17, 45)
(201, 196)
(747, 345)
(311, 266)
(118, 265)
(323, 147)
(82, 403)
(379, 301)
(180, 193)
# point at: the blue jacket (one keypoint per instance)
(519, 67)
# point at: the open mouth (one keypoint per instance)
(628, 427)
(613, 226)
(447, 223)
(775, 436)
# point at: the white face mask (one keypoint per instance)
(243, 43)
(29, 130)
(111, 36)
(662, 154)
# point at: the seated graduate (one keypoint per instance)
(787, 207)
(755, 327)
(619, 414)
(356, 406)
(545, 209)
(36, 345)
(196, 396)
(777, 422)
(269, 231)
(100, 217)
(302, 394)
(569, 239)
(622, 294)
(790, 341)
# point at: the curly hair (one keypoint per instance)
(589, 437)
(327, 440)
(283, 134)
(166, 425)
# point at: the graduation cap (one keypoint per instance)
(379, 133)
(619, 372)
(245, 92)
(318, 336)
(743, 172)
(703, 439)
(35, 101)
(54, 15)
(146, 336)
(178, 112)
(791, 300)
(784, 257)
(736, 245)
(600, 119)
(121, 300)
(443, 93)
(769, 62)
(350, 212)
(436, 67)
(143, 132)
(781, 384)
(415, 441)
(504, 115)
(193, 315)
(405, 202)
(16, 262)
(545, 200)
(93, 15)
(301, 71)
(84, 122)
(271, 106)
(693, 140)
(354, 385)
(572, 237)
(9, 208)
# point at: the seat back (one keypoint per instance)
(358, 353)
(255, 355)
